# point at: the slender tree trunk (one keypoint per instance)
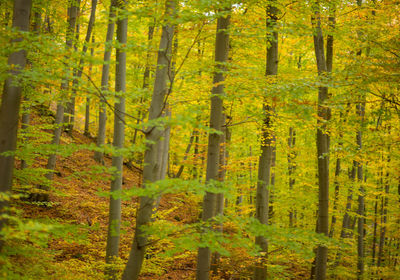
(151, 169)
(114, 221)
(385, 202)
(361, 197)
(196, 155)
(189, 146)
(336, 198)
(324, 65)
(361, 202)
(105, 75)
(209, 202)
(267, 147)
(146, 77)
(71, 106)
(338, 171)
(163, 155)
(51, 163)
(10, 106)
(25, 120)
(271, 191)
(223, 162)
(291, 167)
(374, 239)
(346, 223)
(88, 99)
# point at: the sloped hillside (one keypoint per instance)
(76, 248)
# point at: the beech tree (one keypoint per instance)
(73, 10)
(119, 136)
(267, 143)
(154, 148)
(10, 106)
(324, 66)
(105, 75)
(213, 153)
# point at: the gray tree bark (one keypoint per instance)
(114, 221)
(267, 146)
(25, 120)
(382, 235)
(152, 168)
(146, 77)
(10, 105)
(291, 168)
(324, 66)
(209, 202)
(88, 99)
(223, 162)
(51, 163)
(105, 75)
(70, 117)
(361, 199)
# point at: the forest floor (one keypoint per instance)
(82, 214)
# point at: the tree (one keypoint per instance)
(70, 114)
(324, 66)
(119, 135)
(152, 168)
(267, 143)
(10, 105)
(73, 10)
(213, 153)
(105, 75)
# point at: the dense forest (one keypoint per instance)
(200, 139)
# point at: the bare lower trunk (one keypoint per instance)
(114, 221)
(219, 208)
(209, 201)
(10, 106)
(382, 237)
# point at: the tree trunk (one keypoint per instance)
(267, 147)
(209, 201)
(25, 120)
(146, 77)
(291, 168)
(88, 99)
(51, 163)
(151, 169)
(361, 203)
(223, 162)
(385, 202)
(189, 146)
(10, 106)
(105, 75)
(324, 67)
(114, 221)
(71, 106)
(336, 198)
